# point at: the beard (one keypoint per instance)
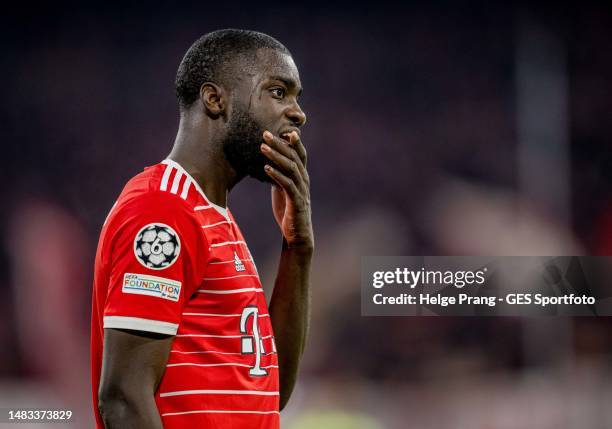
(241, 146)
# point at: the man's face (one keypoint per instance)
(265, 99)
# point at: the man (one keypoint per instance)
(182, 336)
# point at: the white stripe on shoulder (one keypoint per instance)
(197, 208)
(166, 177)
(222, 210)
(186, 186)
(176, 181)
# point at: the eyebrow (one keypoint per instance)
(288, 82)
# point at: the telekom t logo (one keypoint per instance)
(252, 343)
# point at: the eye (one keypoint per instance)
(278, 92)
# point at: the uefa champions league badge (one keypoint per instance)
(157, 246)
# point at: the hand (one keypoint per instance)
(291, 191)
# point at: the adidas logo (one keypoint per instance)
(238, 263)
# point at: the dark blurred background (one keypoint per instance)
(434, 128)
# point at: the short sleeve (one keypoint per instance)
(157, 252)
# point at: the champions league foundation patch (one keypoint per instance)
(159, 287)
(157, 246)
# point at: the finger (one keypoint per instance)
(296, 142)
(283, 146)
(278, 143)
(283, 181)
(288, 166)
(289, 150)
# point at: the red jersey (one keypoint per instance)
(171, 262)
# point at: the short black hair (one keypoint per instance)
(206, 58)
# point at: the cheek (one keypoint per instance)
(268, 112)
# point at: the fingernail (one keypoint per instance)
(267, 134)
(265, 147)
(268, 168)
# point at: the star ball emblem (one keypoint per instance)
(157, 246)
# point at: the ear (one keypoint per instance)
(214, 99)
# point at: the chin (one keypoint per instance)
(254, 167)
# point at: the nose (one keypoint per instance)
(296, 115)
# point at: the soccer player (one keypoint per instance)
(182, 336)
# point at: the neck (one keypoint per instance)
(196, 150)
